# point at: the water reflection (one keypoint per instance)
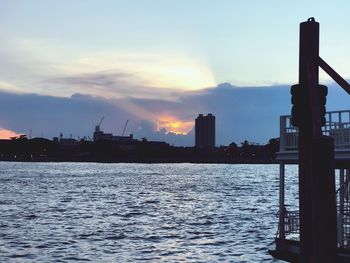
(127, 212)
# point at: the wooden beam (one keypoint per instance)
(334, 75)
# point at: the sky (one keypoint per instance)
(65, 64)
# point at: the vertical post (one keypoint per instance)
(346, 193)
(283, 123)
(282, 234)
(308, 54)
(341, 206)
(316, 173)
(324, 220)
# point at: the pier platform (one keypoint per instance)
(287, 238)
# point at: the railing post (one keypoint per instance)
(282, 234)
(341, 207)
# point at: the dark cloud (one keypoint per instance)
(52, 115)
(77, 115)
(250, 113)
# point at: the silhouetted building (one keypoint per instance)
(101, 136)
(205, 131)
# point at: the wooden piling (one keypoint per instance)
(316, 171)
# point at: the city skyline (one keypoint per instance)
(146, 61)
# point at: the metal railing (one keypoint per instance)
(337, 126)
(291, 223)
(343, 218)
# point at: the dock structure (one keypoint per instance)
(337, 126)
(319, 231)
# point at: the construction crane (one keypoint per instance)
(126, 124)
(97, 127)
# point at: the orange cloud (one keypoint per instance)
(6, 134)
(172, 124)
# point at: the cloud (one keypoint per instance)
(4, 86)
(48, 116)
(7, 134)
(110, 84)
(242, 113)
(47, 67)
(157, 70)
(149, 130)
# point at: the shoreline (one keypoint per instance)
(143, 161)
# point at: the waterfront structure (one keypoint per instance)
(321, 224)
(337, 126)
(205, 131)
(99, 135)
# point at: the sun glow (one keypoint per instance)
(6, 134)
(184, 74)
(174, 125)
(152, 70)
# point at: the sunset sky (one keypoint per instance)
(156, 63)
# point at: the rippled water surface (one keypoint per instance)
(64, 212)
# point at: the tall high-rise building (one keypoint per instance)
(205, 131)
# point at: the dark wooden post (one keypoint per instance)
(316, 171)
(308, 52)
(324, 223)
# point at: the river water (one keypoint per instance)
(64, 212)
